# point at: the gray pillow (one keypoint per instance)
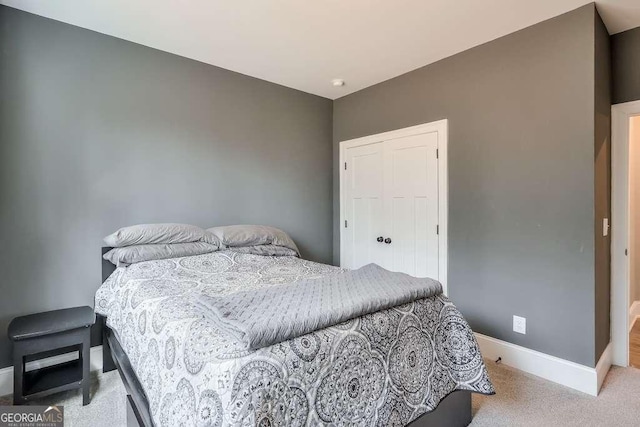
(144, 234)
(139, 253)
(253, 235)
(265, 250)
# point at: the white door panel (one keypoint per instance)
(411, 204)
(364, 205)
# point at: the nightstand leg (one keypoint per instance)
(18, 374)
(86, 379)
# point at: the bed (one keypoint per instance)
(413, 363)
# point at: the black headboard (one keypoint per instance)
(107, 267)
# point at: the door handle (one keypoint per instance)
(380, 239)
(387, 240)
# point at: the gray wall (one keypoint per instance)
(521, 176)
(97, 133)
(602, 138)
(625, 50)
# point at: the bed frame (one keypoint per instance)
(453, 411)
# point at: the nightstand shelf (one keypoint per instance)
(52, 379)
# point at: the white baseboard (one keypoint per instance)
(634, 313)
(6, 374)
(579, 377)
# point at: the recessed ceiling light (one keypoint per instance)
(337, 82)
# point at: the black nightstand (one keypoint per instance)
(41, 334)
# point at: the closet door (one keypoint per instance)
(411, 204)
(364, 208)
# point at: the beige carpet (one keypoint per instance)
(521, 400)
(526, 400)
(107, 407)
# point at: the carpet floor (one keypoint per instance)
(520, 400)
(526, 400)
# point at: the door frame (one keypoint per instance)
(442, 128)
(620, 228)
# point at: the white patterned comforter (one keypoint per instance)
(385, 368)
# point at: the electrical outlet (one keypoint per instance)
(519, 324)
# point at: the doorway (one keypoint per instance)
(625, 236)
(634, 241)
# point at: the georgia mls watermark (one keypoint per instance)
(31, 416)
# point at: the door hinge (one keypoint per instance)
(437, 154)
(345, 165)
(345, 223)
(438, 229)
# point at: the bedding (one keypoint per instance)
(144, 234)
(266, 250)
(263, 317)
(382, 368)
(252, 235)
(140, 253)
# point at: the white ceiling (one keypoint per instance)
(304, 44)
